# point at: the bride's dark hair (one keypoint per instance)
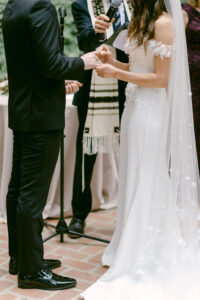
(145, 13)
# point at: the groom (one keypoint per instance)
(36, 73)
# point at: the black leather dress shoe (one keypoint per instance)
(45, 280)
(13, 266)
(76, 225)
(47, 263)
(51, 263)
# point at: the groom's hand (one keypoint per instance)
(90, 60)
(72, 86)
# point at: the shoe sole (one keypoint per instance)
(31, 286)
(74, 237)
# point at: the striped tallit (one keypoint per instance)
(101, 134)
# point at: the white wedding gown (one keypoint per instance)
(152, 256)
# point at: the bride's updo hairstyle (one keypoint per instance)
(145, 13)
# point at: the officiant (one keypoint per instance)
(100, 102)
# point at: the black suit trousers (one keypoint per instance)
(34, 159)
(82, 200)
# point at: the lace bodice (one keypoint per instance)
(142, 61)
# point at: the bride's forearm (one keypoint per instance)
(120, 65)
(151, 80)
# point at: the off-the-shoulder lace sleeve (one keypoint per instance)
(160, 49)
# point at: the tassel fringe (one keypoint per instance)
(105, 144)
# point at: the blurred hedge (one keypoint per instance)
(71, 47)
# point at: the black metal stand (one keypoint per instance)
(61, 228)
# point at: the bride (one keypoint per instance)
(154, 253)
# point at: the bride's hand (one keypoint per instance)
(106, 71)
(105, 55)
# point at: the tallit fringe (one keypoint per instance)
(105, 144)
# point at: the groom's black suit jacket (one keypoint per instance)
(36, 67)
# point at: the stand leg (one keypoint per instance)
(62, 223)
(62, 227)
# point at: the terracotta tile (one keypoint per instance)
(74, 246)
(94, 249)
(69, 294)
(90, 277)
(81, 259)
(3, 272)
(96, 259)
(62, 296)
(4, 284)
(34, 293)
(7, 297)
(74, 254)
(11, 277)
(3, 237)
(97, 216)
(100, 271)
(83, 285)
(78, 264)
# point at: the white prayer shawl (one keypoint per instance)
(101, 134)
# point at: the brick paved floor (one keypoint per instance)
(80, 259)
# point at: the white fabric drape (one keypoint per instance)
(105, 175)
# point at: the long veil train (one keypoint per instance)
(155, 250)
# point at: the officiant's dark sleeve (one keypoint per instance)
(45, 40)
(87, 39)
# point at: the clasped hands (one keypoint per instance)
(92, 60)
(106, 69)
(102, 61)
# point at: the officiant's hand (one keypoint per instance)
(102, 24)
(106, 71)
(72, 86)
(105, 55)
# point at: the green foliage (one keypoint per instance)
(71, 47)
